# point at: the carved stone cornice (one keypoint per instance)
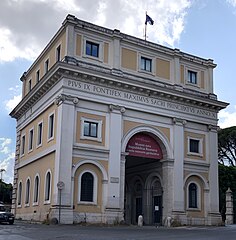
(134, 84)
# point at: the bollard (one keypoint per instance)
(168, 222)
(140, 220)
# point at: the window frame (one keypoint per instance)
(31, 140)
(198, 197)
(58, 53)
(152, 65)
(95, 188)
(94, 48)
(190, 77)
(99, 129)
(37, 75)
(100, 49)
(200, 146)
(23, 145)
(19, 194)
(145, 59)
(51, 127)
(41, 143)
(198, 75)
(38, 187)
(46, 66)
(46, 188)
(27, 192)
(29, 85)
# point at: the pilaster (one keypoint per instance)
(213, 177)
(213, 171)
(70, 45)
(114, 184)
(15, 180)
(177, 66)
(178, 179)
(122, 181)
(167, 171)
(63, 157)
(116, 49)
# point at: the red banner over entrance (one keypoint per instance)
(143, 145)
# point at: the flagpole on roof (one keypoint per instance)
(145, 30)
(150, 21)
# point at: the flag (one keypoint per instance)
(149, 20)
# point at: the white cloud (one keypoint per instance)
(4, 142)
(232, 2)
(6, 159)
(8, 164)
(15, 93)
(227, 119)
(9, 49)
(35, 21)
(11, 103)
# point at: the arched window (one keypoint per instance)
(87, 185)
(36, 189)
(19, 194)
(47, 186)
(27, 192)
(192, 197)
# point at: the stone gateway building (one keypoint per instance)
(111, 126)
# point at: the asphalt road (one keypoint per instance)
(27, 231)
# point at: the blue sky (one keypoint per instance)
(205, 28)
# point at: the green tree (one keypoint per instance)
(227, 146)
(5, 192)
(227, 179)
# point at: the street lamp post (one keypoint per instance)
(1, 171)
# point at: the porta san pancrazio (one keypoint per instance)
(111, 127)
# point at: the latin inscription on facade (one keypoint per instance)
(105, 91)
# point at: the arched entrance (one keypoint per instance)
(143, 184)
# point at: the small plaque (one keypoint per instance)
(114, 180)
(156, 208)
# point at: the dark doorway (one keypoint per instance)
(157, 206)
(139, 207)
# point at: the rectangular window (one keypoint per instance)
(40, 134)
(92, 49)
(31, 138)
(90, 129)
(194, 146)
(23, 145)
(46, 66)
(30, 85)
(192, 77)
(58, 53)
(51, 126)
(146, 64)
(37, 76)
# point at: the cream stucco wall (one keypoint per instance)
(87, 207)
(40, 168)
(91, 117)
(128, 125)
(43, 117)
(50, 54)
